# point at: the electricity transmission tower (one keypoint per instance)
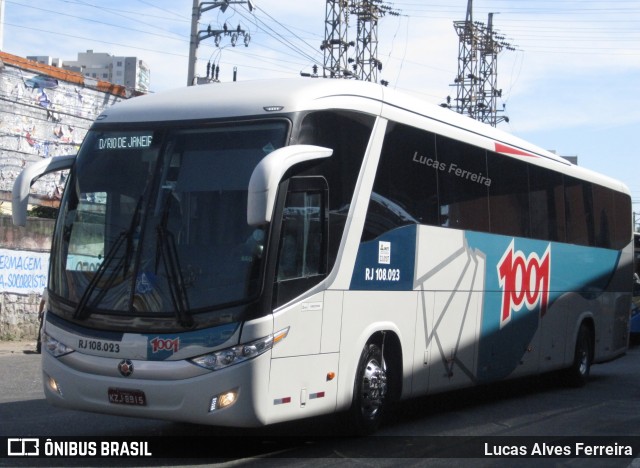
(368, 12)
(335, 44)
(365, 66)
(477, 79)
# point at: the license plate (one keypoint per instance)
(125, 396)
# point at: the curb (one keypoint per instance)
(17, 347)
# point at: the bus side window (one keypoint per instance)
(302, 254)
(405, 190)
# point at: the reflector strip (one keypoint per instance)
(313, 396)
(281, 401)
(501, 148)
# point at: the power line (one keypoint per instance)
(263, 27)
(173, 13)
(262, 10)
(123, 13)
(39, 30)
(271, 32)
(99, 22)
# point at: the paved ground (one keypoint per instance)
(12, 347)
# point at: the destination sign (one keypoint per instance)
(124, 142)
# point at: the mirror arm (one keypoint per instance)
(267, 175)
(24, 181)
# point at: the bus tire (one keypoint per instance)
(370, 393)
(578, 374)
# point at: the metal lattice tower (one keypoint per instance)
(492, 44)
(335, 44)
(366, 64)
(477, 79)
(467, 79)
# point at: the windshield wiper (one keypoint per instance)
(81, 309)
(80, 312)
(166, 248)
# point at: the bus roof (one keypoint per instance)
(284, 96)
(242, 98)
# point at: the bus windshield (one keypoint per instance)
(154, 221)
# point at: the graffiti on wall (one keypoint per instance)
(23, 272)
(41, 117)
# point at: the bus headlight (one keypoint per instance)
(240, 353)
(56, 348)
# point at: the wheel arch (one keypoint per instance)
(588, 320)
(393, 354)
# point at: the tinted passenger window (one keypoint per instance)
(546, 204)
(579, 211)
(622, 209)
(508, 195)
(463, 183)
(301, 236)
(347, 134)
(405, 187)
(465, 187)
(603, 216)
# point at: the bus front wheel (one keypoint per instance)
(370, 391)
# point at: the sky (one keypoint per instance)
(570, 85)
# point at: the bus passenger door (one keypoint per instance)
(301, 263)
(299, 385)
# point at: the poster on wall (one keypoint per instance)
(23, 272)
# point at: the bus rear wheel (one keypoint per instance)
(370, 391)
(578, 374)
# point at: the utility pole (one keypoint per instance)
(198, 36)
(477, 79)
(1, 25)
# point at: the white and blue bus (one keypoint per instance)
(248, 253)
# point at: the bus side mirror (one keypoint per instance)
(267, 175)
(24, 181)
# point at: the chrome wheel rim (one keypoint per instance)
(584, 363)
(374, 389)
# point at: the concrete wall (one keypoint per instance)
(19, 317)
(19, 312)
(35, 236)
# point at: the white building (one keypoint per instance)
(129, 72)
(46, 60)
